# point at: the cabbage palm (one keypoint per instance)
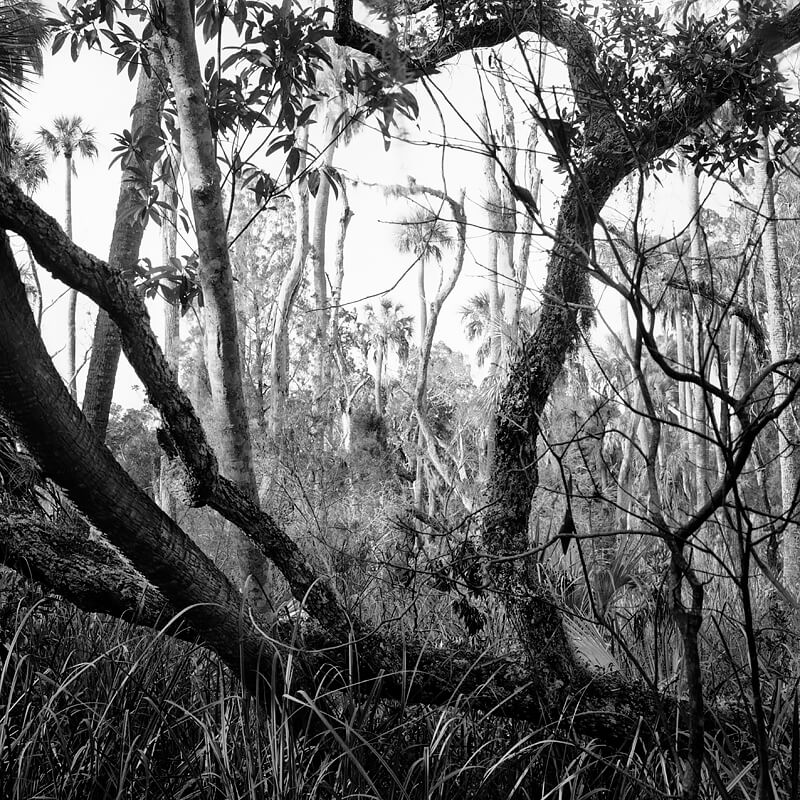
(23, 34)
(425, 235)
(69, 138)
(27, 167)
(476, 317)
(386, 328)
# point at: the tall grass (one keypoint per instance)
(94, 708)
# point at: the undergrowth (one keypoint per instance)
(91, 707)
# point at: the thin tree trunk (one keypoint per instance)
(446, 286)
(736, 378)
(345, 216)
(316, 257)
(287, 294)
(778, 349)
(379, 407)
(493, 200)
(172, 325)
(684, 398)
(126, 240)
(697, 256)
(508, 221)
(422, 327)
(533, 177)
(72, 309)
(345, 400)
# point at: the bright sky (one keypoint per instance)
(91, 89)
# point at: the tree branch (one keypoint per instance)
(706, 291)
(111, 290)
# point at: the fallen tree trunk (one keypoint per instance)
(96, 578)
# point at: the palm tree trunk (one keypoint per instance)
(72, 309)
(379, 407)
(124, 253)
(778, 348)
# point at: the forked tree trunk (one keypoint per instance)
(125, 243)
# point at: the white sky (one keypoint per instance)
(91, 89)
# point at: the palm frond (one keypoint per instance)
(27, 164)
(425, 235)
(386, 326)
(475, 314)
(23, 35)
(68, 136)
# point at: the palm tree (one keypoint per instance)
(483, 325)
(425, 235)
(386, 328)
(68, 138)
(476, 317)
(27, 167)
(23, 34)
(28, 164)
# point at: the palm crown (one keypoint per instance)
(68, 137)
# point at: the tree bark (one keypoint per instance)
(229, 415)
(72, 308)
(493, 372)
(317, 257)
(126, 240)
(68, 450)
(507, 214)
(697, 273)
(172, 320)
(778, 349)
(287, 294)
